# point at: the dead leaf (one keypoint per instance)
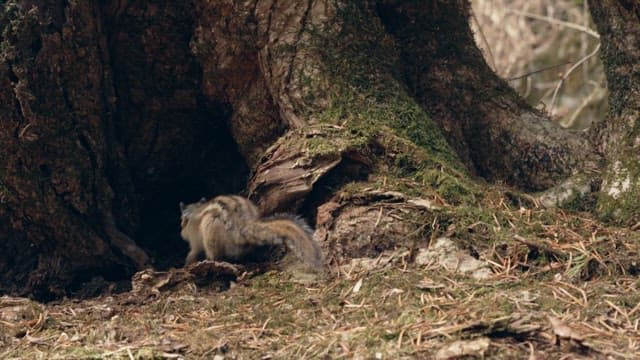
(357, 286)
(445, 253)
(562, 330)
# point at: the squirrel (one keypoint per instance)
(229, 226)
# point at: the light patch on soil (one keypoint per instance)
(445, 253)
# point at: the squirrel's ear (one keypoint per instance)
(182, 207)
(203, 200)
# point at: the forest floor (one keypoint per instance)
(504, 281)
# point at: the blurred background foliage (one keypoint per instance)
(548, 50)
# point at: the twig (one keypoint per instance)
(567, 73)
(539, 246)
(538, 71)
(551, 20)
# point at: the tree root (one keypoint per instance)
(575, 188)
(124, 243)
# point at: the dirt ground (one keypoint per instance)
(502, 281)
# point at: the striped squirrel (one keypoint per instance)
(229, 226)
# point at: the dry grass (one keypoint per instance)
(548, 51)
(562, 286)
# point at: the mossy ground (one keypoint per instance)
(562, 284)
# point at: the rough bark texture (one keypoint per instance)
(225, 41)
(101, 111)
(57, 149)
(174, 139)
(112, 113)
(618, 22)
(484, 120)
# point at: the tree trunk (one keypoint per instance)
(104, 129)
(57, 135)
(366, 116)
(491, 128)
(618, 22)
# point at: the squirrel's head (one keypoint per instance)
(187, 211)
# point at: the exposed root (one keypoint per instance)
(573, 189)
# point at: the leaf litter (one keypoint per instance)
(554, 284)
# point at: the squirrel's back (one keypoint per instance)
(290, 231)
(229, 226)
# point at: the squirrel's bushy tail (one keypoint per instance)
(291, 231)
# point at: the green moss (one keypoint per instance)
(366, 95)
(318, 146)
(330, 141)
(452, 189)
(617, 211)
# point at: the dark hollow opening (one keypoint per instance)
(209, 165)
(174, 137)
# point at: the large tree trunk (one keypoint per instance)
(104, 129)
(58, 146)
(366, 116)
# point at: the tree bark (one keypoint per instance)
(618, 22)
(491, 128)
(57, 148)
(104, 130)
(365, 116)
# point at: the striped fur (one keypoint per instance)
(296, 235)
(230, 226)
